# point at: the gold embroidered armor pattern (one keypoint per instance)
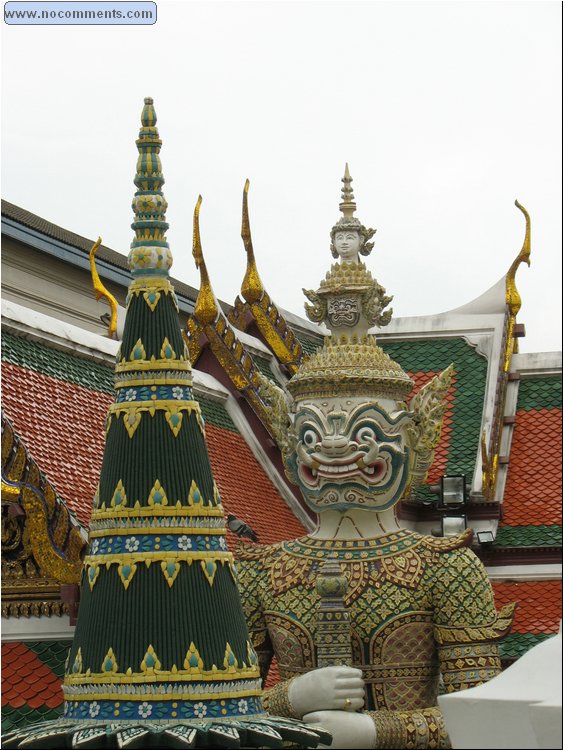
(420, 608)
(419, 729)
(276, 701)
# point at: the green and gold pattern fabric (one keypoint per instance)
(422, 613)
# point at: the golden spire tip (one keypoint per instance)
(196, 246)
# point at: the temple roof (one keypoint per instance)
(58, 384)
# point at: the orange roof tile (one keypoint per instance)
(62, 425)
(539, 604)
(26, 680)
(532, 494)
(246, 490)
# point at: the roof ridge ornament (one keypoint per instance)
(101, 291)
(206, 306)
(257, 306)
(252, 288)
(513, 299)
(208, 321)
(490, 447)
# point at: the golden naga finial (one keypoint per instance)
(206, 308)
(252, 288)
(490, 452)
(101, 291)
(513, 299)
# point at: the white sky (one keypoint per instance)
(445, 111)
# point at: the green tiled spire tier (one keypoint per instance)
(161, 654)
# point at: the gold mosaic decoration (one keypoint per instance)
(132, 413)
(45, 543)
(150, 669)
(170, 564)
(346, 276)
(429, 406)
(418, 607)
(109, 663)
(350, 366)
(150, 662)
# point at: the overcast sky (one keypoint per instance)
(445, 111)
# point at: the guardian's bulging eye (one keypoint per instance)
(310, 438)
(365, 433)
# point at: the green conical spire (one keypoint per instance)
(159, 576)
(161, 645)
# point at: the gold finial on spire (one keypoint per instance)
(347, 206)
(513, 299)
(101, 291)
(206, 308)
(148, 115)
(252, 288)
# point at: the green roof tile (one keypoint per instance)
(18, 718)
(434, 355)
(528, 536)
(515, 645)
(263, 364)
(57, 364)
(215, 413)
(540, 393)
(51, 653)
(309, 346)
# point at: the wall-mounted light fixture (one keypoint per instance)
(485, 538)
(452, 502)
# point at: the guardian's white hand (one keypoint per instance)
(348, 729)
(327, 689)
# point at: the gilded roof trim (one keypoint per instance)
(258, 305)
(48, 543)
(209, 322)
(490, 450)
